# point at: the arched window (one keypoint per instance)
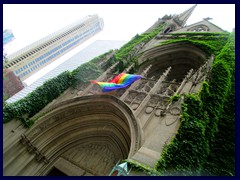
(169, 29)
(199, 28)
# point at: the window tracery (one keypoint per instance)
(199, 28)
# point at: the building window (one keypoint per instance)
(199, 28)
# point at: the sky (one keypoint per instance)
(31, 22)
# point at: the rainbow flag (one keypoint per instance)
(120, 81)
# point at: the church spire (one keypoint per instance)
(182, 18)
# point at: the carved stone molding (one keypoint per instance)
(40, 157)
(96, 107)
(130, 97)
(170, 121)
(139, 98)
(175, 111)
(199, 28)
(94, 157)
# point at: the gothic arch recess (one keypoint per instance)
(90, 132)
(180, 56)
(199, 28)
(169, 29)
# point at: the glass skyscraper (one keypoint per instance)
(34, 57)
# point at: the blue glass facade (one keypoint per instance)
(57, 51)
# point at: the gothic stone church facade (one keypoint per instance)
(87, 132)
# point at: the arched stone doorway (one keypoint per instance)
(83, 136)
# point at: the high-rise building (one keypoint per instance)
(34, 57)
(93, 50)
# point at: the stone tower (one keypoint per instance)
(86, 132)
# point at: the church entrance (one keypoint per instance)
(85, 136)
(56, 172)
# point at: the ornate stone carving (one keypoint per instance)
(178, 21)
(32, 149)
(168, 92)
(175, 111)
(130, 97)
(120, 92)
(158, 112)
(151, 83)
(95, 90)
(96, 157)
(147, 88)
(146, 70)
(148, 110)
(163, 105)
(152, 103)
(162, 89)
(41, 127)
(144, 86)
(141, 85)
(171, 120)
(202, 73)
(134, 106)
(137, 100)
(189, 74)
(199, 28)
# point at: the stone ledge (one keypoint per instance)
(146, 156)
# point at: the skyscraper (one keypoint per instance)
(34, 57)
(93, 50)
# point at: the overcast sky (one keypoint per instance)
(31, 22)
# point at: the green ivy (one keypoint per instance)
(138, 167)
(206, 119)
(85, 72)
(211, 44)
(221, 160)
(38, 99)
(175, 98)
(187, 152)
(91, 70)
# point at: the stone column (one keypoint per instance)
(187, 77)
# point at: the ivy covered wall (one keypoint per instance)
(206, 134)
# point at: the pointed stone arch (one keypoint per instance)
(181, 57)
(169, 28)
(199, 28)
